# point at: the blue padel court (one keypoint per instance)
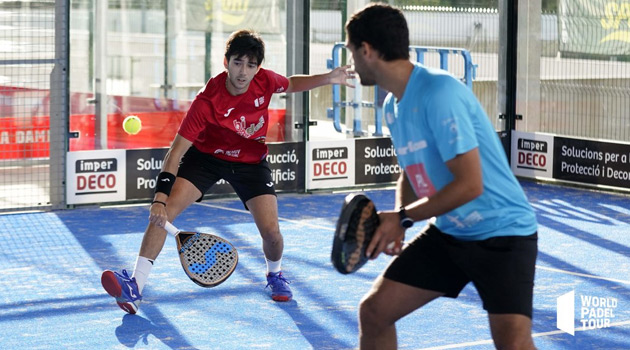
(51, 296)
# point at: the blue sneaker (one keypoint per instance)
(123, 288)
(280, 290)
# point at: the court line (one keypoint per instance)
(534, 335)
(582, 274)
(297, 222)
(460, 345)
(243, 211)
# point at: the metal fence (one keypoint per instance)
(31, 118)
(581, 94)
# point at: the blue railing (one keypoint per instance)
(356, 103)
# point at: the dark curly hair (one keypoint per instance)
(383, 27)
(245, 43)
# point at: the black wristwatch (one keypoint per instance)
(405, 221)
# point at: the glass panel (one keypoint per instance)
(158, 55)
(585, 70)
(471, 27)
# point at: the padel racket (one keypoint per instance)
(356, 225)
(208, 260)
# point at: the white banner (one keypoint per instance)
(330, 164)
(532, 154)
(96, 176)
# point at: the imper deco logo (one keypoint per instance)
(595, 312)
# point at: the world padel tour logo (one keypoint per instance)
(594, 312)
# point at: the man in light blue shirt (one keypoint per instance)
(455, 173)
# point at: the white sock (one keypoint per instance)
(273, 266)
(141, 271)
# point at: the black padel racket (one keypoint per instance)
(356, 225)
(208, 260)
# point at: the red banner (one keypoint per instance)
(29, 137)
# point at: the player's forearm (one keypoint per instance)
(404, 193)
(298, 83)
(171, 161)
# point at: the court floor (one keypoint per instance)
(51, 297)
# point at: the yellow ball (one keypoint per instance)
(132, 125)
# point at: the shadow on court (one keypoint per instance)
(51, 297)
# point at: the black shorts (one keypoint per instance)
(248, 180)
(501, 268)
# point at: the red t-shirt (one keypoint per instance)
(229, 127)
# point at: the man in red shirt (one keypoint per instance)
(222, 137)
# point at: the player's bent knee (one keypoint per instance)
(369, 315)
(271, 234)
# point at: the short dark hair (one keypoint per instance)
(245, 43)
(383, 27)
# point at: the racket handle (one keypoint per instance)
(171, 229)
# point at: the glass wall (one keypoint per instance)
(150, 58)
(471, 26)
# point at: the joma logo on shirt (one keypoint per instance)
(247, 131)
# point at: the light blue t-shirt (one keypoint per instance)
(438, 118)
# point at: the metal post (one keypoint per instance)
(297, 116)
(100, 74)
(511, 64)
(508, 16)
(59, 102)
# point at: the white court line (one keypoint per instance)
(461, 345)
(332, 229)
(582, 274)
(16, 270)
(535, 335)
(243, 211)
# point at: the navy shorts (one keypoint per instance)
(248, 180)
(501, 268)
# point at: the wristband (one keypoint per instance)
(164, 204)
(164, 183)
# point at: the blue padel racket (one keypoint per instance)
(208, 260)
(356, 225)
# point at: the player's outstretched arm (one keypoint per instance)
(340, 75)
